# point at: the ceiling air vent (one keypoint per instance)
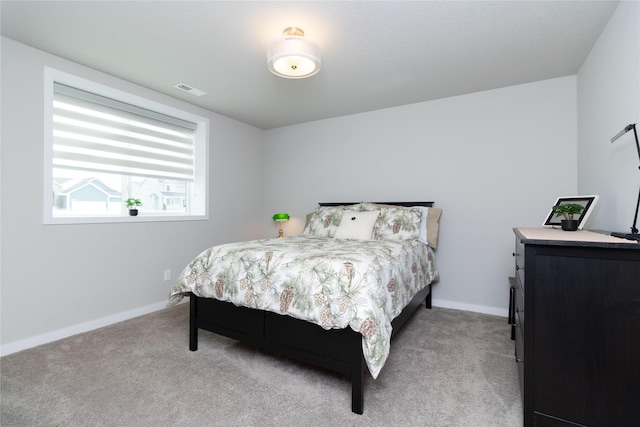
(192, 90)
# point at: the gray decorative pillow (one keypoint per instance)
(433, 226)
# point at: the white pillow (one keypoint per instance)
(423, 225)
(356, 225)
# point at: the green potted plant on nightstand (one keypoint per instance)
(133, 205)
(567, 211)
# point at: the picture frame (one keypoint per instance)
(588, 202)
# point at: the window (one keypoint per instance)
(103, 146)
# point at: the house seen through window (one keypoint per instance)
(105, 149)
(87, 193)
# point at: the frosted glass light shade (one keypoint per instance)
(293, 56)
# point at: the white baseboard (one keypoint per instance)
(77, 329)
(470, 307)
(109, 320)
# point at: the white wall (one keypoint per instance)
(608, 100)
(491, 160)
(61, 279)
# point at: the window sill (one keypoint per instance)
(123, 219)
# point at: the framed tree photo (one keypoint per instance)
(587, 202)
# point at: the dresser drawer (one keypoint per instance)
(518, 255)
(519, 305)
(519, 353)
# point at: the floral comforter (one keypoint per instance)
(334, 283)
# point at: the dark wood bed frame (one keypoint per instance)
(338, 350)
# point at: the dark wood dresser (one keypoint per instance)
(576, 312)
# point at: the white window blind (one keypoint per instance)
(99, 134)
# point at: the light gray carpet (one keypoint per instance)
(447, 368)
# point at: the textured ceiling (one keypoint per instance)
(374, 54)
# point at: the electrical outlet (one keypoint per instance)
(167, 275)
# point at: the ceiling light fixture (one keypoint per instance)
(292, 56)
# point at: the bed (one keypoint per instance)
(328, 297)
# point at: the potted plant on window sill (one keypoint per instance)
(133, 205)
(567, 211)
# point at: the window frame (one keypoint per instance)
(199, 193)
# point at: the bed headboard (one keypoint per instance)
(425, 204)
